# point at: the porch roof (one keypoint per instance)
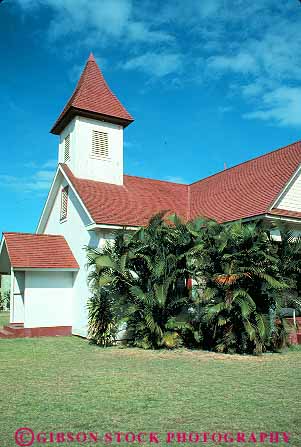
(285, 213)
(39, 251)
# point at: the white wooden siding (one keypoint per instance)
(48, 299)
(291, 200)
(106, 164)
(77, 236)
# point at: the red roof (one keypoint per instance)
(248, 189)
(131, 204)
(92, 98)
(27, 250)
(285, 213)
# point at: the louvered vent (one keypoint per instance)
(67, 149)
(100, 145)
(64, 203)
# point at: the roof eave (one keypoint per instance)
(101, 226)
(65, 119)
(50, 198)
(283, 218)
(2, 242)
(267, 215)
(81, 201)
(46, 269)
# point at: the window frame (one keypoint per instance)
(67, 145)
(64, 203)
(100, 144)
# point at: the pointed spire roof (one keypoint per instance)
(92, 98)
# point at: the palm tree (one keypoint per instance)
(236, 270)
(240, 276)
(145, 273)
(109, 279)
(288, 248)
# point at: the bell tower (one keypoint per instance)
(91, 129)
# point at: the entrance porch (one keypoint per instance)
(42, 270)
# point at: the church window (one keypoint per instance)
(64, 203)
(100, 145)
(67, 148)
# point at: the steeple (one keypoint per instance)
(92, 98)
(91, 129)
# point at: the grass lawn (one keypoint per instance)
(65, 384)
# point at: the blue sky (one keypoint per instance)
(208, 82)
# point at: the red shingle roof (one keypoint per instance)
(93, 98)
(39, 251)
(285, 213)
(246, 190)
(131, 204)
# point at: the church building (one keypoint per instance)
(91, 198)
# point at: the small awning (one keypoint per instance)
(285, 213)
(28, 251)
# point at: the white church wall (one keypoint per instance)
(295, 229)
(48, 299)
(69, 130)
(81, 161)
(77, 236)
(291, 200)
(275, 234)
(84, 165)
(17, 298)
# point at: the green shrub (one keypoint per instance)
(102, 325)
(4, 300)
(240, 277)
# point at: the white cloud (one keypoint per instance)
(255, 43)
(97, 20)
(252, 89)
(208, 8)
(281, 106)
(188, 12)
(241, 63)
(263, 59)
(138, 31)
(39, 180)
(25, 184)
(29, 4)
(278, 51)
(109, 17)
(175, 179)
(49, 164)
(225, 109)
(156, 64)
